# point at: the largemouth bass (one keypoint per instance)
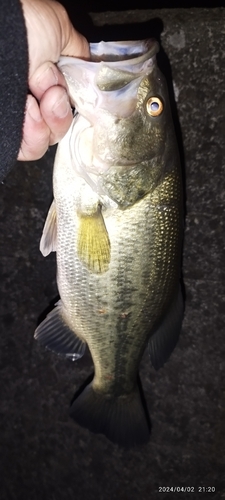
(116, 225)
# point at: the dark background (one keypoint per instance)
(43, 453)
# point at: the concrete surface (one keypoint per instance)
(43, 453)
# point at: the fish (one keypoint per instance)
(116, 224)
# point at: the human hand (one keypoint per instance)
(48, 112)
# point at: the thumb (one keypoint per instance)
(76, 46)
(73, 43)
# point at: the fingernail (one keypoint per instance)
(61, 107)
(33, 110)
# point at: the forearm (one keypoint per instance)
(14, 81)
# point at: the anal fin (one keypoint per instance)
(164, 339)
(54, 334)
(93, 242)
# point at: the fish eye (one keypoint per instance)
(154, 106)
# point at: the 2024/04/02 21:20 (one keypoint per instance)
(186, 489)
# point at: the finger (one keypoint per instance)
(56, 111)
(36, 133)
(47, 75)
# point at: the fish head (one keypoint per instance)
(123, 110)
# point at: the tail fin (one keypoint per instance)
(122, 419)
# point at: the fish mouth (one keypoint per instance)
(110, 79)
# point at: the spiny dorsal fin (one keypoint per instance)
(93, 242)
(49, 235)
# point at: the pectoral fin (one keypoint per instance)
(93, 242)
(49, 235)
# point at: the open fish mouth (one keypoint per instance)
(110, 79)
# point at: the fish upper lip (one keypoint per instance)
(120, 53)
(147, 49)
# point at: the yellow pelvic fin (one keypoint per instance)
(93, 242)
